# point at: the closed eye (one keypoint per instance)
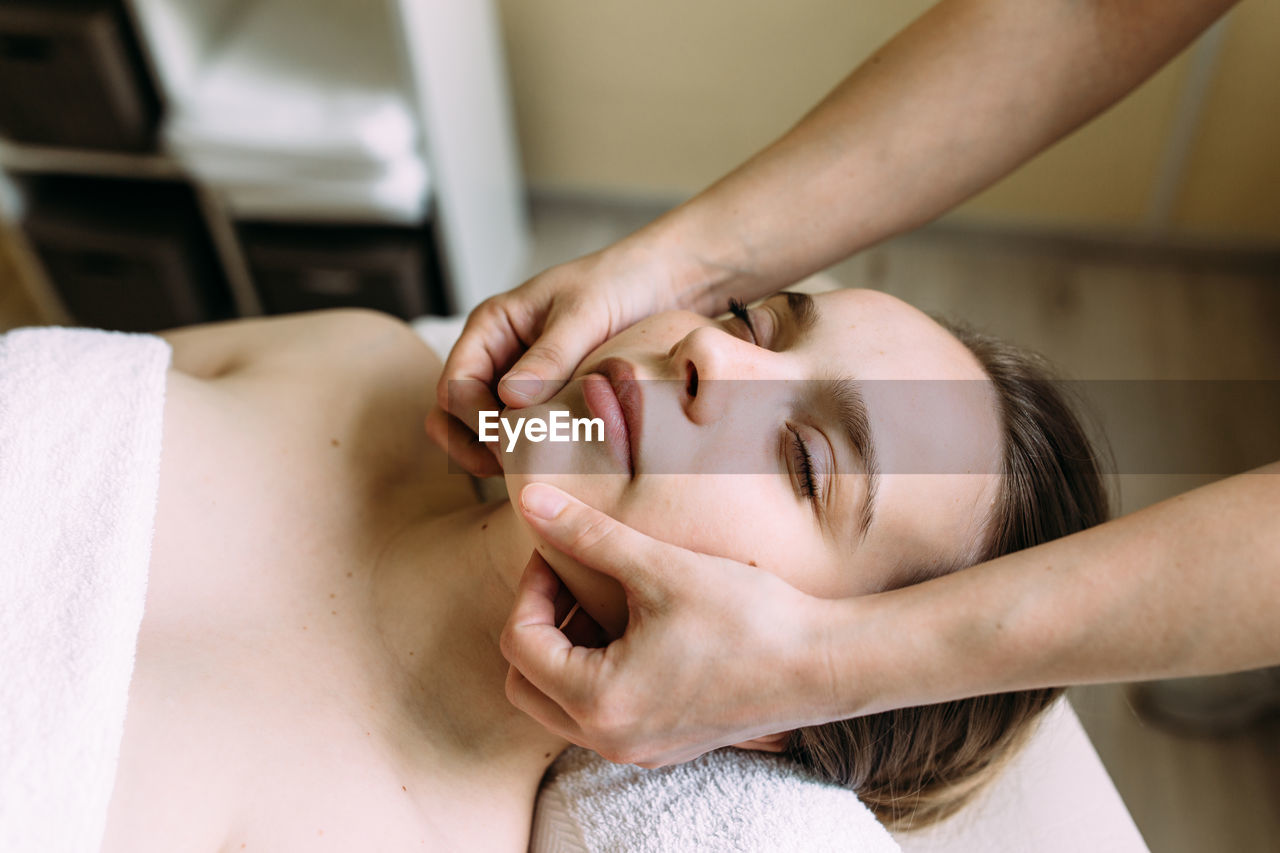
(803, 462)
(740, 313)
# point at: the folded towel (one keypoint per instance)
(80, 427)
(728, 800)
(354, 130)
(312, 77)
(399, 196)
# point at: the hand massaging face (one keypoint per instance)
(762, 472)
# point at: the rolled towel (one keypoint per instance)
(81, 414)
(727, 800)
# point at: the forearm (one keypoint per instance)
(1190, 586)
(964, 95)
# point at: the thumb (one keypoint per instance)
(551, 359)
(639, 562)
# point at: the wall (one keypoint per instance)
(657, 99)
(1233, 183)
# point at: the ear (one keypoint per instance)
(768, 743)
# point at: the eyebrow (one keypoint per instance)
(844, 398)
(851, 414)
(804, 311)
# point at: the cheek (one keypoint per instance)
(741, 517)
(750, 519)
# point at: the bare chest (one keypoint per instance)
(265, 709)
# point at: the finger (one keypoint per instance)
(490, 342)
(599, 542)
(550, 663)
(532, 642)
(467, 399)
(567, 616)
(523, 695)
(549, 682)
(541, 584)
(551, 359)
(566, 604)
(582, 630)
(538, 596)
(462, 445)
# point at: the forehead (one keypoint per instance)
(934, 421)
(888, 339)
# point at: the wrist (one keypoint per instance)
(913, 646)
(701, 258)
(838, 670)
(858, 658)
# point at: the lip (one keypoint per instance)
(621, 407)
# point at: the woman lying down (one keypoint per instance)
(318, 664)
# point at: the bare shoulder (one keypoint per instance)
(341, 394)
(283, 432)
(338, 341)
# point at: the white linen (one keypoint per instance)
(80, 427)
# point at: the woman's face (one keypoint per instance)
(839, 488)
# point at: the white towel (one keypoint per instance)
(302, 75)
(80, 426)
(728, 800)
(300, 110)
(399, 196)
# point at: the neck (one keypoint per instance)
(445, 587)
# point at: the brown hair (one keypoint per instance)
(915, 766)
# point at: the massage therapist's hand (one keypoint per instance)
(715, 652)
(537, 333)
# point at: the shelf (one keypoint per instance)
(329, 111)
(15, 157)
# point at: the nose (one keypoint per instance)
(709, 360)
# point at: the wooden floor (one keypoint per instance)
(1099, 312)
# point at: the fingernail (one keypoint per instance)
(542, 501)
(523, 385)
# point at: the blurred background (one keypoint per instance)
(165, 162)
(660, 100)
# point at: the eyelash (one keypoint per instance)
(739, 310)
(804, 464)
(800, 452)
